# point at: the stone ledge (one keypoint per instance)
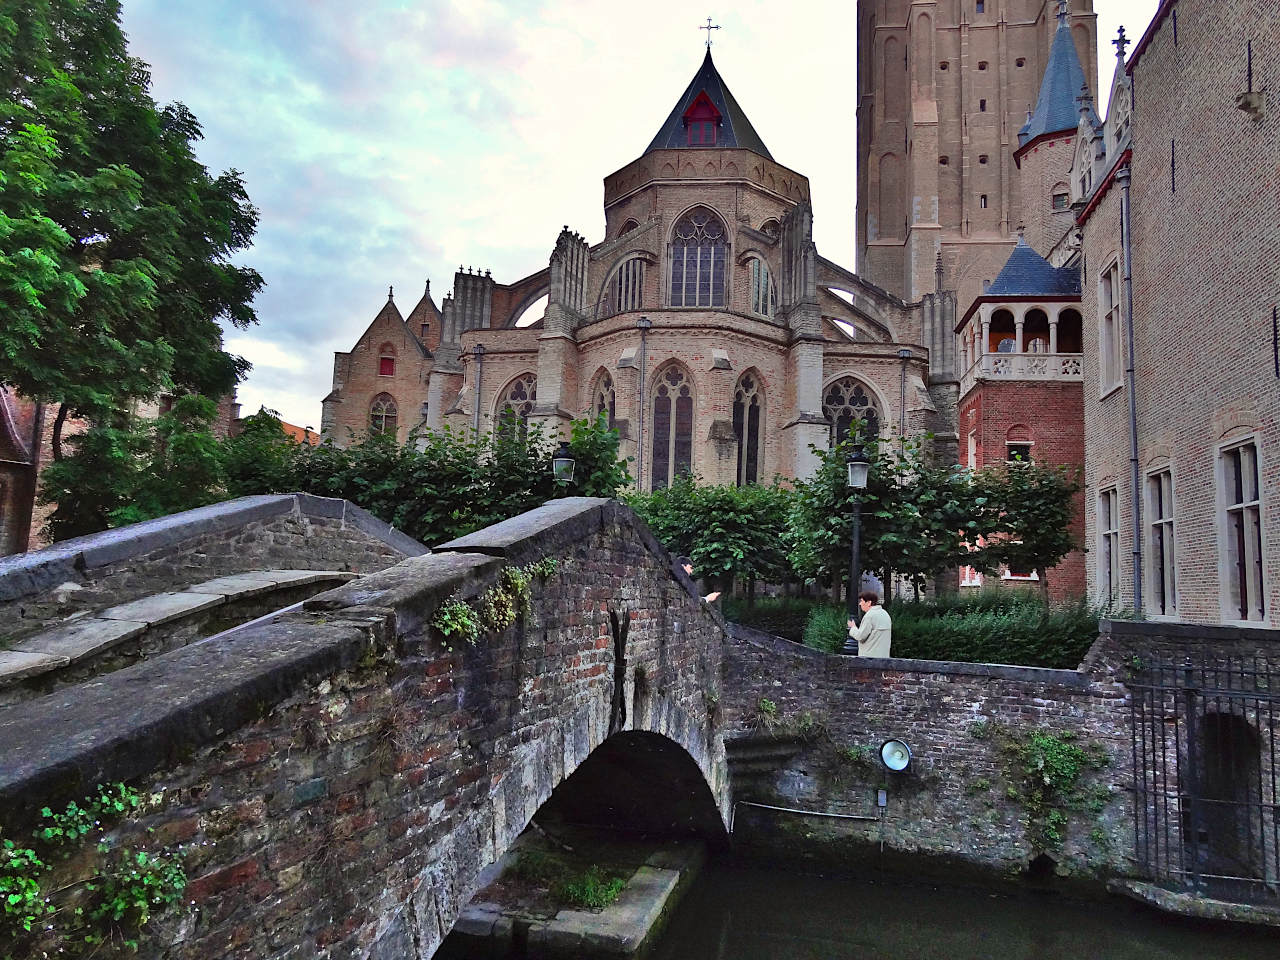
(1073, 679)
(554, 524)
(1179, 630)
(81, 638)
(27, 573)
(18, 665)
(150, 715)
(1189, 905)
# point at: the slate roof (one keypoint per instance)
(1027, 274)
(1056, 107)
(735, 129)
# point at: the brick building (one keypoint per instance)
(1183, 510)
(946, 90)
(705, 322)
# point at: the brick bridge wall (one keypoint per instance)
(342, 778)
(281, 531)
(954, 801)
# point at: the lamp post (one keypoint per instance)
(904, 355)
(562, 464)
(858, 465)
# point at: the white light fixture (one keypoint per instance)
(895, 755)
(858, 465)
(562, 464)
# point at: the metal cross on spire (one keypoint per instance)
(1120, 43)
(709, 28)
(1062, 9)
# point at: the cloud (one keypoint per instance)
(391, 141)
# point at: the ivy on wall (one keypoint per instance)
(71, 892)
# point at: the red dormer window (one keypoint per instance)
(702, 121)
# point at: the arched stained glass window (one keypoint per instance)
(516, 403)
(604, 400)
(762, 296)
(847, 402)
(748, 411)
(699, 248)
(382, 414)
(672, 427)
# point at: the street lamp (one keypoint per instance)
(562, 464)
(643, 324)
(858, 466)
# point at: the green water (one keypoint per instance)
(744, 913)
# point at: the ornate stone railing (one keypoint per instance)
(1024, 366)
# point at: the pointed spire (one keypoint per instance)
(1056, 106)
(733, 129)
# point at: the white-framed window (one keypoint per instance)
(762, 297)
(1109, 546)
(1240, 534)
(1162, 586)
(973, 449)
(1110, 322)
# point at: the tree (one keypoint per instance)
(720, 528)
(1034, 506)
(115, 242)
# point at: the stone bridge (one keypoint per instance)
(341, 775)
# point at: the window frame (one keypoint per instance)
(762, 291)
(673, 455)
(1110, 329)
(749, 431)
(1240, 525)
(1108, 536)
(717, 259)
(380, 426)
(1160, 510)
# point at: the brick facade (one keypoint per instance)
(942, 80)
(1206, 263)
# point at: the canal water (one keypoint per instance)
(747, 913)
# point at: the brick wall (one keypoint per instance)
(1050, 415)
(253, 533)
(340, 777)
(1206, 263)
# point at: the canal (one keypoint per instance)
(751, 913)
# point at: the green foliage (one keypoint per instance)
(719, 527)
(1047, 775)
(992, 626)
(827, 628)
(495, 609)
(780, 616)
(43, 914)
(442, 484)
(539, 868)
(921, 517)
(116, 244)
(592, 889)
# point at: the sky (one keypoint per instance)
(389, 142)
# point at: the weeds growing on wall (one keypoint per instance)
(495, 609)
(1048, 776)
(71, 893)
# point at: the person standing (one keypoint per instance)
(872, 637)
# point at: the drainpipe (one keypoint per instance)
(478, 353)
(1122, 177)
(642, 324)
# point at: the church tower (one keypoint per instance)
(944, 87)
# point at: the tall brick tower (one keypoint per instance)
(944, 86)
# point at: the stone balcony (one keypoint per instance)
(1023, 366)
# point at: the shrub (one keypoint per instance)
(996, 626)
(780, 616)
(591, 889)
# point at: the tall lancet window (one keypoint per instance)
(604, 401)
(672, 427)
(699, 249)
(747, 411)
(849, 407)
(516, 404)
(382, 414)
